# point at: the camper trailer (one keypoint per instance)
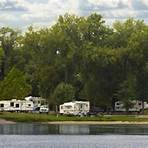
(28, 104)
(37, 101)
(75, 108)
(16, 105)
(136, 107)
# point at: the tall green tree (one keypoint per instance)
(14, 86)
(63, 93)
(8, 39)
(123, 31)
(128, 92)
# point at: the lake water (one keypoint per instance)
(66, 129)
(33, 135)
(73, 141)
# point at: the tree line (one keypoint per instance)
(77, 58)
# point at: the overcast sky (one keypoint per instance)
(22, 13)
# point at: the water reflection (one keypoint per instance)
(74, 129)
(46, 129)
(28, 129)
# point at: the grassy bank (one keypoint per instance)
(33, 117)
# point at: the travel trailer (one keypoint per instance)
(137, 106)
(37, 101)
(16, 105)
(75, 108)
(28, 104)
(40, 104)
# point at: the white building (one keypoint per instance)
(75, 108)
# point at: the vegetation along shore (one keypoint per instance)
(54, 119)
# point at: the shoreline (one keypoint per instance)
(12, 118)
(97, 123)
(3, 121)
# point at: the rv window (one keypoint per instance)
(68, 107)
(61, 107)
(117, 103)
(29, 104)
(1, 105)
(11, 104)
(17, 105)
(81, 105)
(42, 102)
(139, 103)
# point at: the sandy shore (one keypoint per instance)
(98, 122)
(3, 121)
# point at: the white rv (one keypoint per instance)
(75, 108)
(137, 106)
(27, 105)
(37, 102)
(16, 105)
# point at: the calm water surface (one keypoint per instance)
(33, 135)
(73, 141)
(64, 129)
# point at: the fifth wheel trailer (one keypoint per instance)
(16, 105)
(75, 108)
(136, 107)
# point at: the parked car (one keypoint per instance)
(44, 109)
(95, 111)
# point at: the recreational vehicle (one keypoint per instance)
(16, 105)
(37, 101)
(28, 104)
(75, 108)
(136, 107)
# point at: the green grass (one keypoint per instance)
(146, 112)
(34, 117)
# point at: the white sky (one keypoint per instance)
(22, 13)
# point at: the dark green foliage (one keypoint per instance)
(63, 93)
(14, 85)
(127, 92)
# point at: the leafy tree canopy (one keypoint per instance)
(14, 86)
